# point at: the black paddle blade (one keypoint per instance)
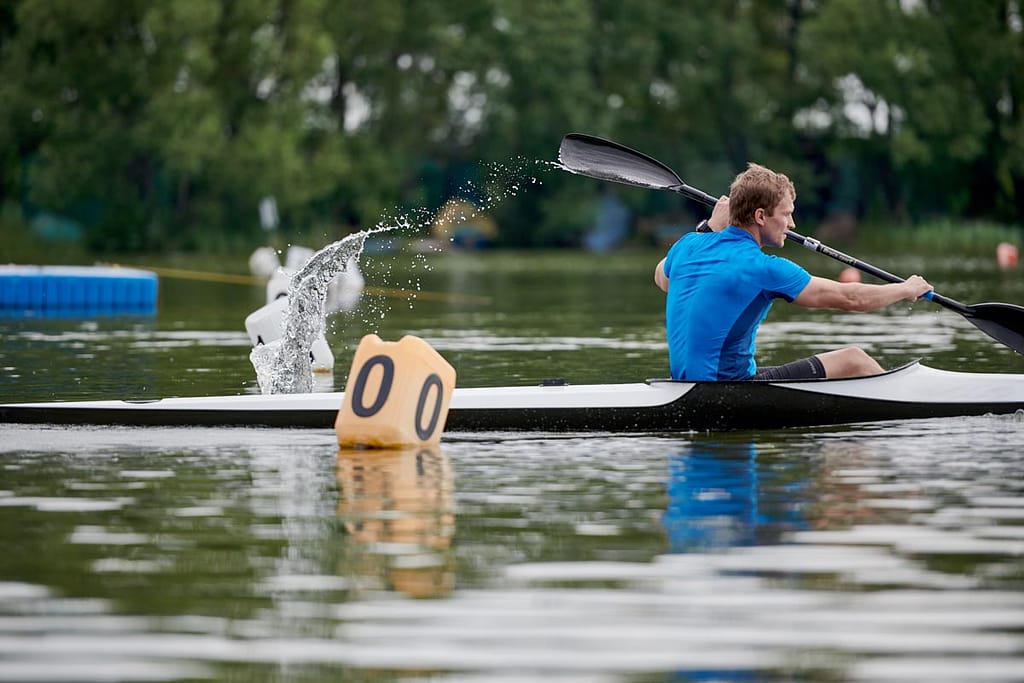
(1002, 322)
(606, 160)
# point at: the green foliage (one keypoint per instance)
(162, 125)
(944, 81)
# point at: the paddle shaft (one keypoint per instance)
(816, 245)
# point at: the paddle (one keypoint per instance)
(606, 160)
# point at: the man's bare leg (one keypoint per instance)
(849, 362)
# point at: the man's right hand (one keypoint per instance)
(916, 287)
(720, 214)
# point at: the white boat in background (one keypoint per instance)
(909, 392)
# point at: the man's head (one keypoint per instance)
(761, 201)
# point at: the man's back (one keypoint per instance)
(721, 286)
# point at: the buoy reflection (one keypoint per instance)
(398, 506)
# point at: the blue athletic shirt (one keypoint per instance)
(721, 286)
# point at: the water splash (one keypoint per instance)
(284, 365)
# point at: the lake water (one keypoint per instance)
(875, 552)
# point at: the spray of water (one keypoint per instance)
(284, 366)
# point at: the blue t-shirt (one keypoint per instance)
(721, 286)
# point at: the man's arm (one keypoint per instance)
(659, 276)
(854, 296)
(719, 221)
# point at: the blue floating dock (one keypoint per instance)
(75, 291)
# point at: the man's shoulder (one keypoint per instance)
(782, 275)
(684, 243)
(780, 261)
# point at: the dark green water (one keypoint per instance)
(873, 552)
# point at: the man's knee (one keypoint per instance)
(852, 361)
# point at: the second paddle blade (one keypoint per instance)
(1002, 322)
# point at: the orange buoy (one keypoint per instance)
(397, 395)
(1006, 255)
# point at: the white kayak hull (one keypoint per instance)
(912, 391)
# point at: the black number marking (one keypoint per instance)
(388, 366)
(429, 383)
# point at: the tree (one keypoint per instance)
(927, 96)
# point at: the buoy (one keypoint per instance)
(397, 395)
(399, 504)
(343, 293)
(297, 257)
(1006, 255)
(849, 275)
(263, 262)
(346, 288)
(277, 285)
(266, 324)
(75, 291)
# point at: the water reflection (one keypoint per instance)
(877, 553)
(721, 494)
(398, 505)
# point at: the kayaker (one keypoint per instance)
(721, 285)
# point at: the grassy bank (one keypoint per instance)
(943, 236)
(32, 251)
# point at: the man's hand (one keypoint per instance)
(720, 214)
(917, 287)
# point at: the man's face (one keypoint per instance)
(773, 231)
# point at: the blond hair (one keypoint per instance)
(757, 188)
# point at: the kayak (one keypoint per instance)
(912, 391)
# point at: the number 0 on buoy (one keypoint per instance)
(397, 395)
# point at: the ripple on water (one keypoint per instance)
(870, 558)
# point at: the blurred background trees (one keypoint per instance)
(162, 124)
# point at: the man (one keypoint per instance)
(720, 286)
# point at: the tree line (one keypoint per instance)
(161, 124)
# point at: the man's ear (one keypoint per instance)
(759, 216)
